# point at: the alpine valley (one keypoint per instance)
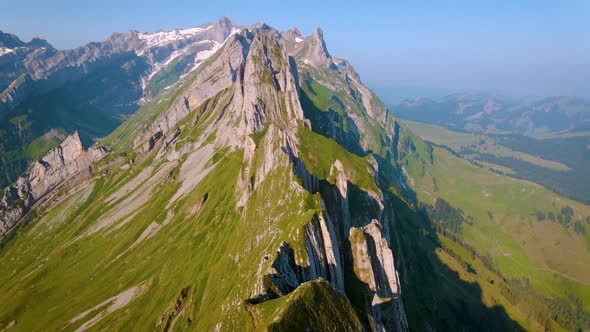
(225, 178)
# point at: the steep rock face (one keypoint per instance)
(253, 84)
(374, 265)
(327, 244)
(348, 111)
(323, 259)
(364, 230)
(57, 166)
(259, 76)
(314, 52)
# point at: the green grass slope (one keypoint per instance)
(501, 245)
(314, 306)
(558, 163)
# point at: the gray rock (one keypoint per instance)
(56, 167)
(16, 92)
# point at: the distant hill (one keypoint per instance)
(487, 113)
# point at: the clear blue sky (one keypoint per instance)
(401, 48)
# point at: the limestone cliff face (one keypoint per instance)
(253, 84)
(341, 235)
(374, 265)
(351, 104)
(323, 259)
(56, 167)
(258, 76)
(326, 236)
(250, 84)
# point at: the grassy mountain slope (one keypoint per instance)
(558, 163)
(534, 268)
(160, 236)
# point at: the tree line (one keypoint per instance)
(565, 217)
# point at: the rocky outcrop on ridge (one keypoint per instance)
(15, 93)
(57, 166)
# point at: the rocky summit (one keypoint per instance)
(254, 192)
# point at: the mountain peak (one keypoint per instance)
(39, 42)
(9, 40)
(318, 35)
(319, 32)
(313, 50)
(226, 21)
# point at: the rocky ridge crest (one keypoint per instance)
(58, 166)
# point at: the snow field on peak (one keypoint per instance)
(162, 38)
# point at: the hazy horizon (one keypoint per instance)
(529, 49)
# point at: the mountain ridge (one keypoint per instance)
(221, 146)
(91, 89)
(489, 113)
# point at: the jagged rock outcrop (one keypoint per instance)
(15, 93)
(350, 113)
(56, 167)
(323, 259)
(251, 84)
(323, 250)
(374, 265)
(314, 51)
(255, 84)
(259, 77)
(326, 236)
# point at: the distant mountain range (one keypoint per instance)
(492, 114)
(45, 92)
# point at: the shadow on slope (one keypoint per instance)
(434, 295)
(330, 123)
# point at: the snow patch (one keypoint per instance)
(298, 40)
(162, 38)
(158, 39)
(205, 54)
(5, 50)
